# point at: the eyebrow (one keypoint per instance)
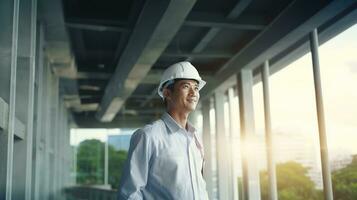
(187, 82)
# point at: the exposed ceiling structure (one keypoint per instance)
(110, 54)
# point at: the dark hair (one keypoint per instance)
(170, 87)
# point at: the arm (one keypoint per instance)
(135, 173)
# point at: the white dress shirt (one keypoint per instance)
(164, 162)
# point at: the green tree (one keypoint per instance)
(344, 182)
(292, 183)
(90, 163)
(116, 164)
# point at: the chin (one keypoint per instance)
(192, 108)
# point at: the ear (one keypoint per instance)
(166, 93)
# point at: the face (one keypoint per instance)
(184, 96)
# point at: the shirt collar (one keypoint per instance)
(174, 126)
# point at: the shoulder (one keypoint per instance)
(151, 130)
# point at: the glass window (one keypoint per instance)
(338, 60)
(89, 146)
(295, 132)
(259, 148)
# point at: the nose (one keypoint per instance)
(193, 91)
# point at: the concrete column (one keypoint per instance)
(55, 140)
(74, 180)
(31, 108)
(38, 116)
(223, 152)
(251, 186)
(59, 155)
(233, 142)
(207, 143)
(326, 174)
(57, 147)
(53, 133)
(273, 191)
(68, 150)
(24, 102)
(46, 134)
(9, 13)
(65, 151)
(50, 167)
(42, 168)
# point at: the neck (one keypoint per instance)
(179, 117)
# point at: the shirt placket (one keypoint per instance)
(192, 166)
(194, 170)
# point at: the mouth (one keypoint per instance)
(192, 100)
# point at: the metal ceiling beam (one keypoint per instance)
(97, 27)
(142, 96)
(100, 22)
(58, 50)
(295, 22)
(90, 92)
(134, 12)
(152, 95)
(198, 55)
(90, 100)
(159, 20)
(91, 96)
(79, 43)
(205, 54)
(85, 107)
(153, 77)
(258, 19)
(129, 119)
(236, 11)
(93, 75)
(224, 24)
(140, 111)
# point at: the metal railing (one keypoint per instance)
(90, 193)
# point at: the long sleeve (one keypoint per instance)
(135, 173)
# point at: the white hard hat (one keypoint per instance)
(180, 70)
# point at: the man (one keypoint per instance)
(165, 158)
